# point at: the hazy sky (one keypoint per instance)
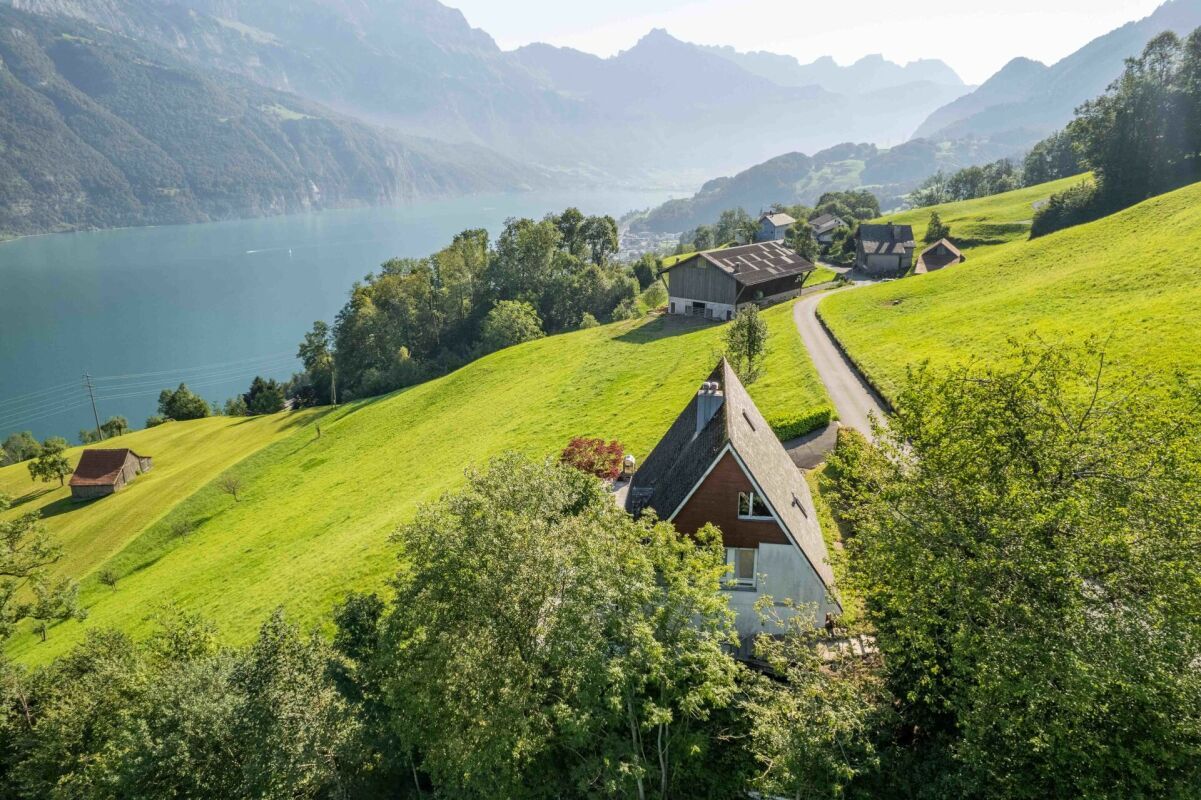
(975, 40)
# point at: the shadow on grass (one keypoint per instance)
(64, 505)
(665, 327)
(30, 496)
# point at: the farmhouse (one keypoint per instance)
(884, 249)
(773, 227)
(824, 226)
(938, 255)
(103, 472)
(714, 284)
(721, 463)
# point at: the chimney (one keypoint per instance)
(708, 403)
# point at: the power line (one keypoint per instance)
(87, 384)
(219, 364)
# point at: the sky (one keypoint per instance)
(975, 38)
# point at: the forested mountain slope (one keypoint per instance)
(1123, 280)
(99, 130)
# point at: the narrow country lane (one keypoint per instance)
(852, 397)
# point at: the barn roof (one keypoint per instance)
(885, 239)
(682, 458)
(101, 467)
(938, 255)
(751, 264)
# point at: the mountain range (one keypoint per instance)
(1027, 100)
(418, 66)
(102, 130)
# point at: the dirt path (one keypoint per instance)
(852, 397)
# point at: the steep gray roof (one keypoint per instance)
(750, 264)
(825, 222)
(680, 460)
(886, 239)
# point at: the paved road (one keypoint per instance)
(853, 398)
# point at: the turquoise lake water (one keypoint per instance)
(213, 305)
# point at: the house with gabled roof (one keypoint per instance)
(104, 472)
(773, 226)
(884, 249)
(714, 284)
(721, 463)
(938, 255)
(824, 226)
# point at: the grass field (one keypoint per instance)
(1130, 280)
(987, 222)
(187, 456)
(315, 514)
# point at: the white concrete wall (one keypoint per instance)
(680, 305)
(784, 574)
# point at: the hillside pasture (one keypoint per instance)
(314, 514)
(1128, 281)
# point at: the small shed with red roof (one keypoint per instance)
(103, 472)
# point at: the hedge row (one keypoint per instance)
(791, 426)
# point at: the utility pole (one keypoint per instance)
(87, 384)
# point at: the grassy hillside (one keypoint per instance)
(315, 513)
(187, 455)
(1129, 279)
(981, 224)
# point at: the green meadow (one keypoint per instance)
(1130, 281)
(315, 513)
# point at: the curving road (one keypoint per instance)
(852, 397)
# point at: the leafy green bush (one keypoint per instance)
(792, 426)
(1071, 207)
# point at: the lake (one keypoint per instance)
(212, 305)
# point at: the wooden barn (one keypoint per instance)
(938, 255)
(714, 284)
(721, 463)
(103, 472)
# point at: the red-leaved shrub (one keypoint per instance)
(594, 457)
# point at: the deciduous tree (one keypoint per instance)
(746, 343)
(51, 462)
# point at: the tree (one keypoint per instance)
(814, 727)
(182, 404)
(646, 269)
(748, 231)
(703, 238)
(542, 641)
(317, 356)
(115, 426)
(265, 396)
(1025, 538)
(588, 321)
(801, 240)
(600, 234)
(935, 229)
(50, 463)
(746, 343)
(18, 447)
(1051, 159)
(26, 589)
(89, 436)
(230, 484)
(594, 457)
(154, 420)
(510, 322)
(236, 407)
(730, 226)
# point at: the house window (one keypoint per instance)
(752, 506)
(673, 306)
(741, 564)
